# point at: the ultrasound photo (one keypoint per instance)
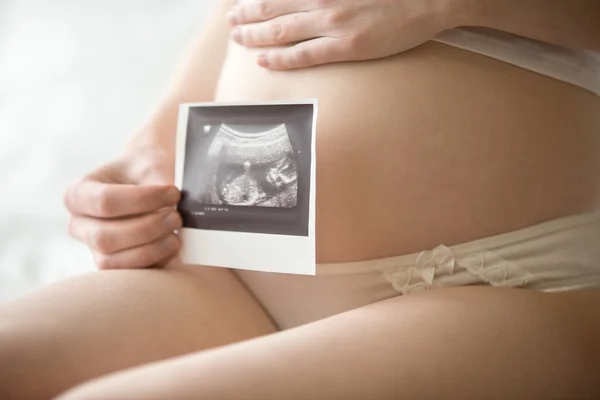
(247, 177)
(247, 168)
(250, 166)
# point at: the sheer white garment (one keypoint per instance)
(577, 67)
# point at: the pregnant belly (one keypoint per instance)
(433, 146)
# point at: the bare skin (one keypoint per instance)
(98, 323)
(463, 147)
(455, 171)
(468, 343)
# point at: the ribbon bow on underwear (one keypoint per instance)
(430, 263)
(438, 260)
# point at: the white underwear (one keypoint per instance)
(577, 67)
(555, 256)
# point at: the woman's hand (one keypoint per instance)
(326, 31)
(124, 211)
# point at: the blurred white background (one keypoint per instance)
(76, 78)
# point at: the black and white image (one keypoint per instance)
(247, 171)
(249, 167)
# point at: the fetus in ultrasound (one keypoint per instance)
(256, 169)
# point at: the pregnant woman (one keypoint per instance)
(458, 240)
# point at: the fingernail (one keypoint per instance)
(236, 35)
(173, 221)
(171, 196)
(263, 60)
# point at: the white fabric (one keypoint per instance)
(76, 77)
(577, 67)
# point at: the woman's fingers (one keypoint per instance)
(140, 257)
(124, 211)
(278, 31)
(112, 236)
(318, 51)
(249, 11)
(93, 198)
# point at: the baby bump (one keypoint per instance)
(433, 146)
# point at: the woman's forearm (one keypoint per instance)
(195, 79)
(572, 23)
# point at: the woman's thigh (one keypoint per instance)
(106, 321)
(462, 343)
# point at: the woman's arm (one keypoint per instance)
(572, 23)
(121, 210)
(194, 81)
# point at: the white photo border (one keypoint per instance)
(241, 250)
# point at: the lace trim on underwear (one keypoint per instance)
(442, 261)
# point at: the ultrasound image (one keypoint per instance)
(248, 168)
(251, 168)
